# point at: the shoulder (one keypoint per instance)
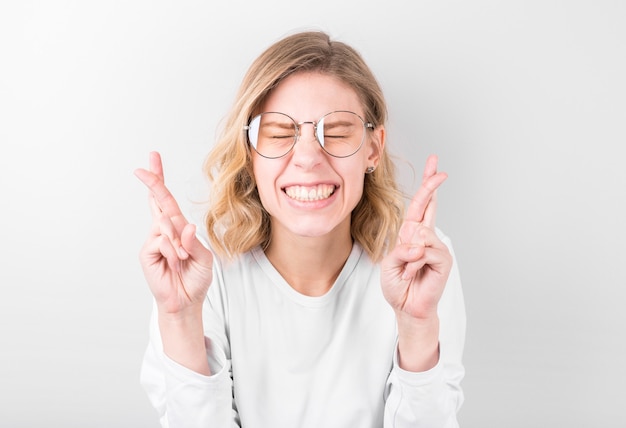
(239, 269)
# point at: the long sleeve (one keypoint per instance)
(182, 397)
(280, 359)
(433, 398)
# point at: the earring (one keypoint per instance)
(370, 169)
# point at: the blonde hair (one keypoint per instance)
(236, 220)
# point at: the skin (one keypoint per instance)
(320, 227)
(310, 240)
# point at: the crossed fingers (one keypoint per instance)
(422, 209)
(417, 230)
(167, 218)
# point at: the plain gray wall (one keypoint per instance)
(524, 101)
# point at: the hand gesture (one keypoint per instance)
(414, 273)
(176, 265)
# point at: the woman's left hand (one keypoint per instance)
(415, 271)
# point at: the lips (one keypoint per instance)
(310, 193)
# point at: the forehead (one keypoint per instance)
(310, 95)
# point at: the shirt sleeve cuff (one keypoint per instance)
(218, 364)
(417, 378)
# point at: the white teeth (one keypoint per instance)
(302, 193)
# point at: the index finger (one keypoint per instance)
(431, 181)
(156, 165)
(153, 179)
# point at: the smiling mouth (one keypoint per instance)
(310, 193)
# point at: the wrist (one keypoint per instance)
(418, 342)
(189, 314)
(182, 335)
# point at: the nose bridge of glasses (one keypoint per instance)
(301, 134)
(299, 127)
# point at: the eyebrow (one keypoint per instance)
(285, 124)
(337, 123)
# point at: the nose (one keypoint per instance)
(307, 152)
(307, 132)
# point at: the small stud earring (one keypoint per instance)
(370, 169)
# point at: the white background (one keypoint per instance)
(524, 102)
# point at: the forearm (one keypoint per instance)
(183, 339)
(418, 342)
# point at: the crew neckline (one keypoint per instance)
(310, 301)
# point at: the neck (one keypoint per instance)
(310, 265)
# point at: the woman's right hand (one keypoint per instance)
(177, 267)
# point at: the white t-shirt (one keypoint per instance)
(282, 359)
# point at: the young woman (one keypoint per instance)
(318, 304)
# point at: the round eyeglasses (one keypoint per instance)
(340, 133)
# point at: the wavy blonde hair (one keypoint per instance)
(236, 220)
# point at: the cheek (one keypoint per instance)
(353, 173)
(354, 182)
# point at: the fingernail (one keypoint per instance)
(182, 253)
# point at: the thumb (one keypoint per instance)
(193, 247)
(403, 254)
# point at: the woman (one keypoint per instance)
(318, 304)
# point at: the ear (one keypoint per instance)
(376, 145)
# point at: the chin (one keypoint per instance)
(320, 227)
(314, 231)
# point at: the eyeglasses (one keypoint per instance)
(340, 133)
